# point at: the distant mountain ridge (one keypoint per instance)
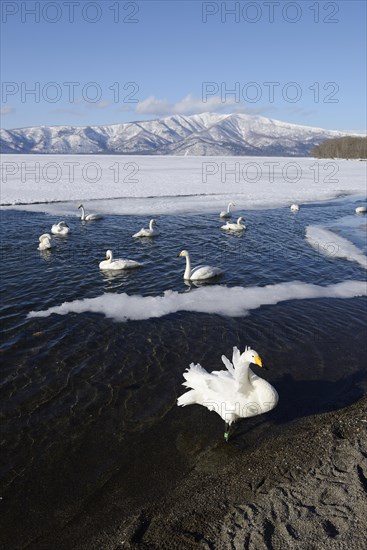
(195, 135)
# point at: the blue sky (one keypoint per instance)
(302, 62)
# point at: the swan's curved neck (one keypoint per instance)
(83, 213)
(110, 257)
(239, 221)
(229, 207)
(151, 223)
(187, 273)
(243, 375)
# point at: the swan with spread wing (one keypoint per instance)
(234, 393)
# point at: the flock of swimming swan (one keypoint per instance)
(199, 273)
(234, 393)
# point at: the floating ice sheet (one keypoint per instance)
(221, 300)
(330, 244)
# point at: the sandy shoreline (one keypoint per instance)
(303, 485)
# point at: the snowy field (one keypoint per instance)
(158, 185)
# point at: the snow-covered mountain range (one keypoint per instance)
(194, 135)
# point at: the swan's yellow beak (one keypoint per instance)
(180, 254)
(258, 361)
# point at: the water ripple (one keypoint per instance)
(64, 378)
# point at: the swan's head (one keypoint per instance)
(240, 219)
(108, 254)
(62, 224)
(80, 206)
(183, 253)
(153, 222)
(231, 204)
(251, 356)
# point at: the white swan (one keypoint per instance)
(361, 210)
(294, 208)
(110, 264)
(199, 273)
(60, 228)
(89, 217)
(233, 393)
(45, 242)
(227, 213)
(238, 226)
(151, 232)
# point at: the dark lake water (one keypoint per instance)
(81, 393)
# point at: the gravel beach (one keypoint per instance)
(303, 486)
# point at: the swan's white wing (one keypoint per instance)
(45, 244)
(228, 365)
(193, 373)
(198, 267)
(44, 236)
(197, 380)
(222, 391)
(143, 233)
(236, 360)
(236, 356)
(120, 264)
(205, 272)
(212, 390)
(234, 227)
(93, 217)
(129, 264)
(126, 264)
(221, 374)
